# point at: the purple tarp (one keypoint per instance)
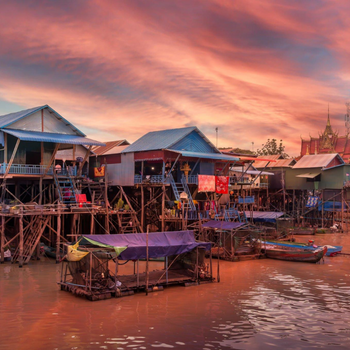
(160, 244)
(222, 225)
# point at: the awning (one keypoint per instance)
(308, 175)
(222, 225)
(215, 156)
(25, 135)
(264, 216)
(160, 244)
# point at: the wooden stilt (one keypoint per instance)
(58, 238)
(163, 209)
(21, 241)
(2, 239)
(106, 200)
(92, 224)
(40, 190)
(142, 208)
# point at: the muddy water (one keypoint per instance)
(259, 304)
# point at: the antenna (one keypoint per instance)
(347, 117)
(252, 146)
(217, 131)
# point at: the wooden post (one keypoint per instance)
(58, 240)
(342, 208)
(142, 208)
(21, 240)
(40, 190)
(163, 209)
(2, 239)
(147, 271)
(106, 199)
(92, 224)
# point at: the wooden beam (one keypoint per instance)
(12, 158)
(51, 160)
(88, 151)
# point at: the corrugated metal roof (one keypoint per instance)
(116, 150)
(316, 160)
(51, 137)
(249, 172)
(158, 140)
(110, 146)
(280, 163)
(215, 156)
(8, 119)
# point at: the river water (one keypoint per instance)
(258, 304)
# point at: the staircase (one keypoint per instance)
(127, 221)
(31, 238)
(178, 188)
(65, 187)
(97, 191)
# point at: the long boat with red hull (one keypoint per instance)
(299, 255)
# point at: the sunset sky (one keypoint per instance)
(118, 69)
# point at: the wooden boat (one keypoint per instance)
(332, 250)
(295, 254)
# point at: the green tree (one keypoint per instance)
(271, 148)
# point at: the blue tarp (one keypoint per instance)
(264, 216)
(223, 225)
(329, 206)
(160, 244)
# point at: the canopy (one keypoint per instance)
(160, 244)
(26, 135)
(264, 216)
(214, 156)
(223, 225)
(308, 175)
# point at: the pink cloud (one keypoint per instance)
(254, 69)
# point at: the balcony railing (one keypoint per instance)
(31, 169)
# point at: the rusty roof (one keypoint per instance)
(110, 148)
(279, 163)
(319, 161)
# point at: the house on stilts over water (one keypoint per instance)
(36, 193)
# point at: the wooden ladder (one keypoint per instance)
(31, 238)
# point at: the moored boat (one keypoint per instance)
(331, 250)
(295, 254)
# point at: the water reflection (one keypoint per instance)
(260, 304)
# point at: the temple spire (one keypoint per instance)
(328, 130)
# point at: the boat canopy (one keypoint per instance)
(160, 244)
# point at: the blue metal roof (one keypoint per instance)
(25, 135)
(216, 156)
(8, 119)
(163, 139)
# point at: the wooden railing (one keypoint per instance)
(31, 169)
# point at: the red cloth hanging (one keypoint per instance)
(221, 184)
